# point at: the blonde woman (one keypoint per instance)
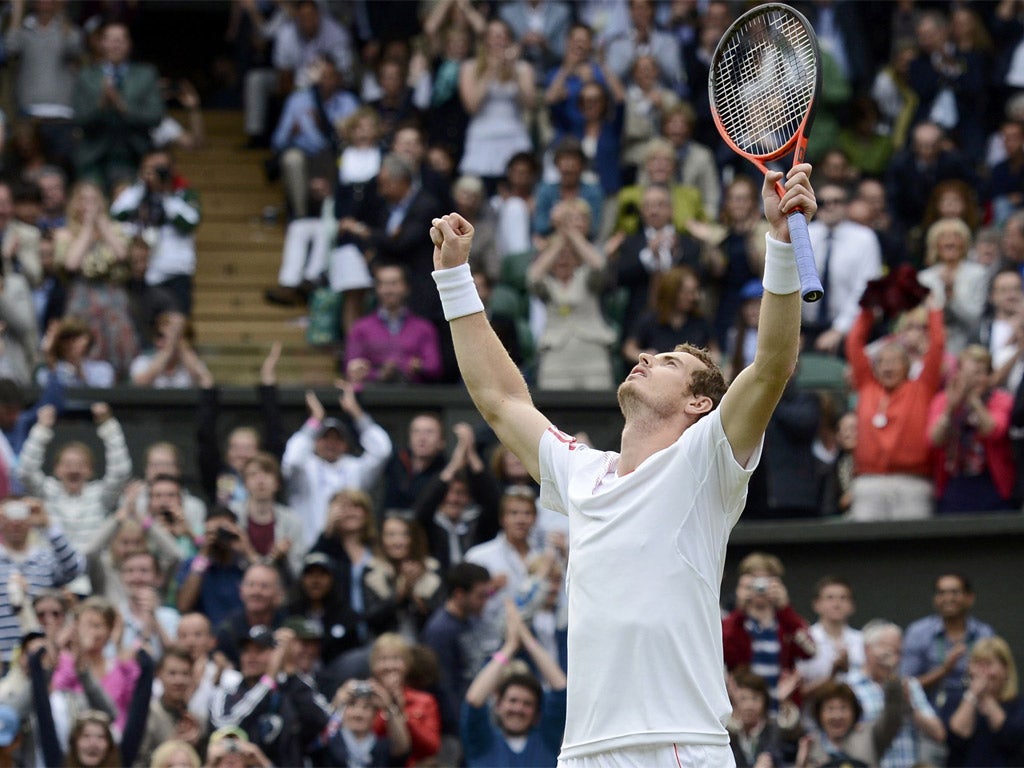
(568, 277)
(93, 253)
(959, 285)
(349, 539)
(175, 754)
(986, 724)
(391, 658)
(496, 90)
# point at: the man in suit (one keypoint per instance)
(388, 229)
(652, 251)
(116, 103)
(540, 27)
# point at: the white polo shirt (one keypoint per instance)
(647, 552)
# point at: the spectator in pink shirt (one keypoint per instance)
(392, 344)
(83, 668)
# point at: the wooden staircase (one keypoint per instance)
(238, 256)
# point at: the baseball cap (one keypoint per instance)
(10, 725)
(228, 732)
(31, 635)
(260, 634)
(337, 425)
(317, 560)
(304, 629)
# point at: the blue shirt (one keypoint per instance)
(484, 743)
(925, 646)
(218, 595)
(300, 113)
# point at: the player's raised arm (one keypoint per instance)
(750, 400)
(495, 384)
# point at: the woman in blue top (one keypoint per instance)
(985, 725)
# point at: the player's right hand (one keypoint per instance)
(452, 236)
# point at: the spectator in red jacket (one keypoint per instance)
(390, 659)
(764, 633)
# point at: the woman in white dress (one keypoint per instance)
(496, 89)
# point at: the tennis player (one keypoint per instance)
(648, 527)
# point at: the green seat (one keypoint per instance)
(513, 270)
(507, 302)
(816, 371)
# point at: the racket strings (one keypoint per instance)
(764, 82)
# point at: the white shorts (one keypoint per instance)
(658, 756)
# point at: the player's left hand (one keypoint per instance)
(797, 193)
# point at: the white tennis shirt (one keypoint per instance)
(646, 554)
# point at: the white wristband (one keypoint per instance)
(458, 292)
(780, 273)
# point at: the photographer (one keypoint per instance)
(164, 210)
(210, 581)
(764, 632)
(349, 738)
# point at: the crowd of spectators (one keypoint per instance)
(349, 596)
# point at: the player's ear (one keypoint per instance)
(698, 405)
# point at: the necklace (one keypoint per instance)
(880, 420)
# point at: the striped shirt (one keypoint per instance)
(765, 649)
(48, 565)
(80, 516)
(902, 753)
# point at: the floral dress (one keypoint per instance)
(97, 295)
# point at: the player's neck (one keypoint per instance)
(642, 438)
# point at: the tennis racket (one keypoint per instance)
(764, 80)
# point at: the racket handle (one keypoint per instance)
(810, 283)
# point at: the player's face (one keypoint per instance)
(516, 711)
(660, 382)
(835, 603)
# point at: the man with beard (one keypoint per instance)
(526, 725)
(648, 527)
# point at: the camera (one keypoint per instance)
(17, 510)
(226, 537)
(163, 173)
(760, 585)
(231, 745)
(167, 515)
(362, 689)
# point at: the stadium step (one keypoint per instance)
(238, 248)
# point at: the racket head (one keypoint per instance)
(764, 82)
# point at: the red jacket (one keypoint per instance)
(998, 454)
(795, 641)
(423, 717)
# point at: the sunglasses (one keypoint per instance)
(94, 716)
